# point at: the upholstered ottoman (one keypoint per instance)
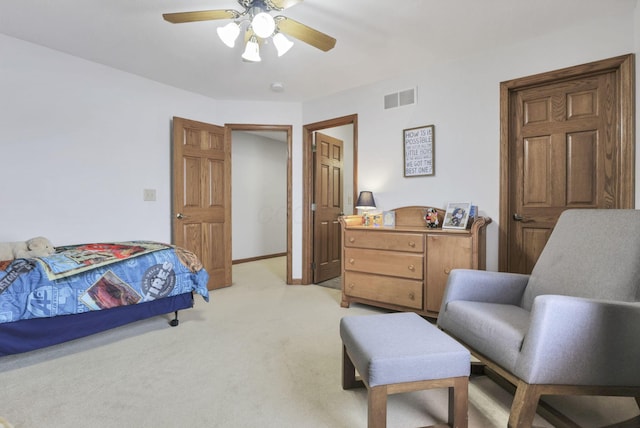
(402, 352)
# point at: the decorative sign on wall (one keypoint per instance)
(419, 149)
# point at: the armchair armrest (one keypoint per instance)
(484, 286)
(579, 341)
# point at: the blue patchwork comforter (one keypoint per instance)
(92, 277)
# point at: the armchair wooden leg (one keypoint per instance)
(525, 403)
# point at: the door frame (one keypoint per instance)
(307, 184)
(230, 127)
(624, 67)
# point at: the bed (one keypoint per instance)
(84, 289)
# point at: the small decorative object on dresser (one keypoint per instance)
(406, 267)
(389, 218)
(431, 217)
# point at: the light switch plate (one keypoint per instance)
(149, 194)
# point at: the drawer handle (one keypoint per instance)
(412, 296)
(351, 261)
(412, 268)
(352, 239)
(447, 270)
(351, 285)
(412, 244)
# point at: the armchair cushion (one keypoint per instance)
(577, 341)
(485, 286)
(592, 254)
(489, 328)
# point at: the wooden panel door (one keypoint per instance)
(563, 157)
(328, 182)
(567, 140)
(202, 196)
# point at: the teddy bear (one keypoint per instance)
(34, 247)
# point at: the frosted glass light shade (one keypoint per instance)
(263, 25)
(252, 50)
(282, 44)
(229, 33)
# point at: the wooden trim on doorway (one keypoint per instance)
(624, 67)
(307, 183)
(282, 128)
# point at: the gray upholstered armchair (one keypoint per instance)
(571, 327)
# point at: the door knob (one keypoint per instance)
(180, 216)
(518, 217)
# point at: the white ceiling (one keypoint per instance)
(376, 39)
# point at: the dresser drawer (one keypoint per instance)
(380, 240)
(393, 263)
(395, 291)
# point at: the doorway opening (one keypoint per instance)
(350, 190)
(264, 213)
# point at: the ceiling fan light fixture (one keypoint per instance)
(229, 33)
(263, 25)
(257, 21)
(282, 44)
(252, 50)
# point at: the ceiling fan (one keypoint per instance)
(260, 26)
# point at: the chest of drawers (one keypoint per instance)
(405, 267)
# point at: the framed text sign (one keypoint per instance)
(419, 149)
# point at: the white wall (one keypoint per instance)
(79, 142)
(461, 99)
(259, 195)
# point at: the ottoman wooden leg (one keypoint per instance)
(459, 403)
(377, 407)
(349, 372)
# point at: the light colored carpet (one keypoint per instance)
(335, 283)
(260, 354)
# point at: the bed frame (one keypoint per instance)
(28, 335)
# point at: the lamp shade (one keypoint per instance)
(365, 201)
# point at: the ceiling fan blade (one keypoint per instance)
(203, 15)
(304, 33)
(284, 4)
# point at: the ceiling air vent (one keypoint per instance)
(399, 99)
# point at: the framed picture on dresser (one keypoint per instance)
(457, 215)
